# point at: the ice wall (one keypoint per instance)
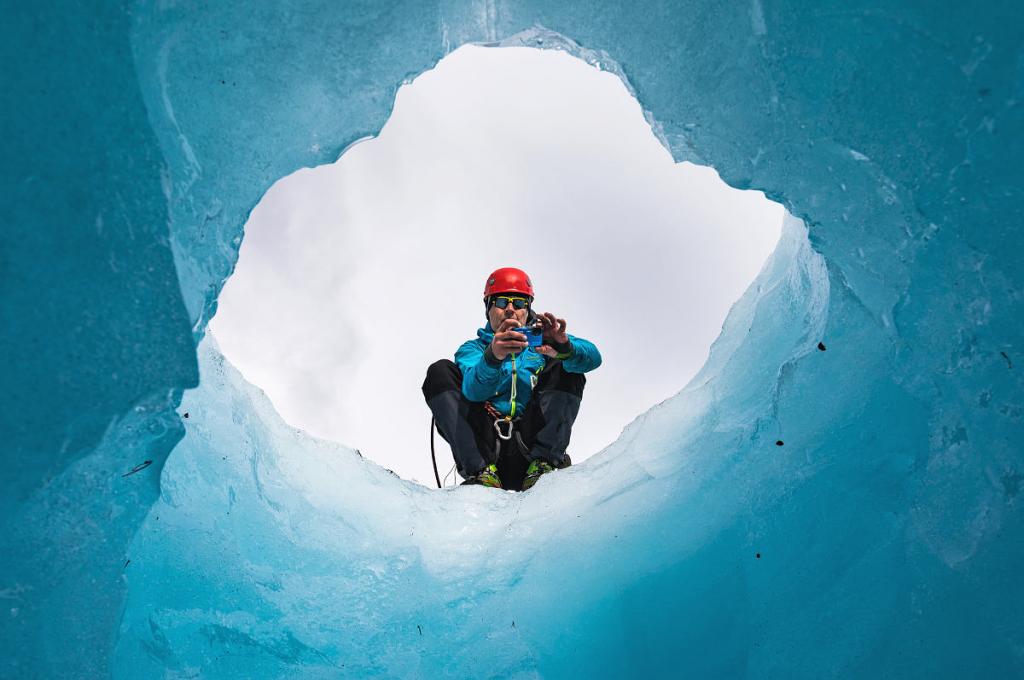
(272, 554)
(888, 522)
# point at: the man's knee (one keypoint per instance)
(442, 375)
(561, 380)
(573, 383)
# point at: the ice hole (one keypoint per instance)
(353, 277)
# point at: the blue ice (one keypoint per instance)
(837, 493)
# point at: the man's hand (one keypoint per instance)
(507, 341)
(554, 334)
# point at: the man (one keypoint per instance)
(507, 408)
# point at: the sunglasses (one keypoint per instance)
(501, 302)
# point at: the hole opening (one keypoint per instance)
(353, 277)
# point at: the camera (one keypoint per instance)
(534, 334)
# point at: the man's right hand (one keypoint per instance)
(507, 341)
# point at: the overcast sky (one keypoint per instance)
(354, 277)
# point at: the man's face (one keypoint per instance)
(495, 315)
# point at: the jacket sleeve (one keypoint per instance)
(480, 378)
(583, 356)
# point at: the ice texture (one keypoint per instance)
(836, 494)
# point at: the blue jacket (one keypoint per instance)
(508, 386)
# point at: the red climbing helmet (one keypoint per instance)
(508, 280)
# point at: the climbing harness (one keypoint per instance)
(504, 425)
(498, 420)
(509, 421)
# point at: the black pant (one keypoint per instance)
(542, 432)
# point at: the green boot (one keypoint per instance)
(486, 477)
(537, 468)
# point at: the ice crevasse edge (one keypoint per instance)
(888, 522)
(318, 560)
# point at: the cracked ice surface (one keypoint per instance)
(794, 512)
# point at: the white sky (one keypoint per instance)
(354, 277)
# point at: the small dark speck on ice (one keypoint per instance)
(138, 468)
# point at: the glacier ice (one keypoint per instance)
(851, 508)
(270, 552)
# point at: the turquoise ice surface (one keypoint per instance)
(836, 494)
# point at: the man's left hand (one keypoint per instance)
(554, 333)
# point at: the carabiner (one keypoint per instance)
(497, 427)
